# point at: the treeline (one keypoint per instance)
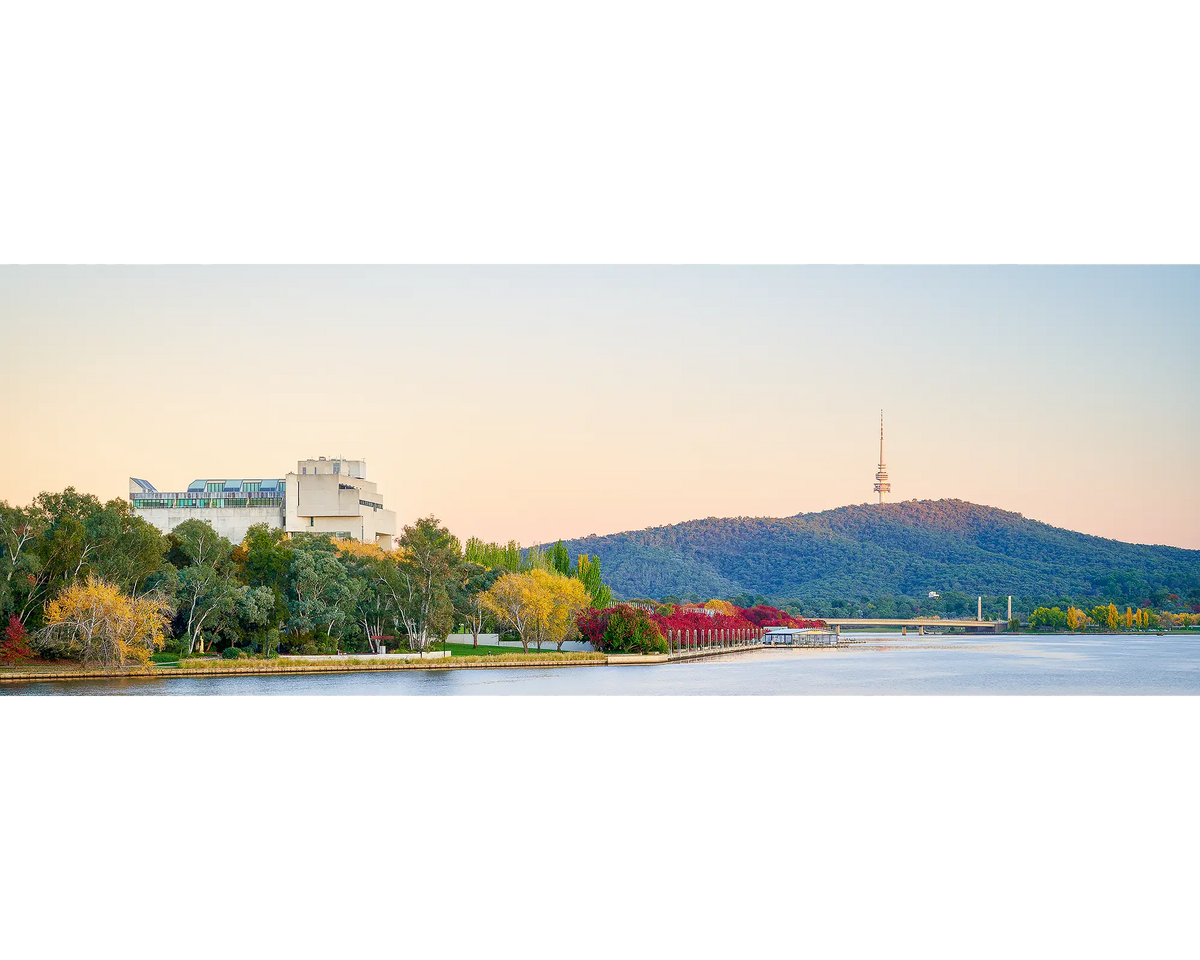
(1109, 618)
(90, 581)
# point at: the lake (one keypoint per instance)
(885, 665)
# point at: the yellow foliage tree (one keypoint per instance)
(515, 603)
(364, 551)
(560, 599)
(1113, 620)
(540, 605)
(95, 622)
(1128, 617)
(721, 606)
(1076, 619)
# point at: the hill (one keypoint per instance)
(901, 549)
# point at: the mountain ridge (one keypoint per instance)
(905, 548)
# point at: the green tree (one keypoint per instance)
(632, 631)
(269, 556)
(206, 592)
(321, 588)
(468, 597)
(587, 571)
(560, 559)
(418, 585)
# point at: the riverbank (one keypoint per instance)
(294, 666)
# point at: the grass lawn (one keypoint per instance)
(466, 650)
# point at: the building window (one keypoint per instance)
(251, 486)
(337, 468)
(213, 486)
(304, 469)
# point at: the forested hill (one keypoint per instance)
(871, 550)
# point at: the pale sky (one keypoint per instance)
(532, 403)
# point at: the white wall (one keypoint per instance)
(230, 522)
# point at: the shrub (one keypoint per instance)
(632, 631)
(233, 653)
(308, 649)
(165, 656)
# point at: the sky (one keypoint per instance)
(532, 403)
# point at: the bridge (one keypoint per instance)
(866, 623)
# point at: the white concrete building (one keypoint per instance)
(323, 496)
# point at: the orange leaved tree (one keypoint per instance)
(96, 623)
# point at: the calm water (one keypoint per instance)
(993, 665)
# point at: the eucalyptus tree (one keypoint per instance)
(418, 585)
(321, 587)
(207, 592)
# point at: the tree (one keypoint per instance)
(560, 559)
(1112, 618)
(268, 560)
(19, 532)
(493, 556)
(14, 646)
(559, 601)
(206, 593)
(207, 598)
(587, 571)
(418, 584)
(1050, 617)
(516, 603)
(322, 589)
(95, 622)
(628, 630)
(199, 544)
(468, 598)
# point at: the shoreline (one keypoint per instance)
(365, 665)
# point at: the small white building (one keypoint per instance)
(323, 496)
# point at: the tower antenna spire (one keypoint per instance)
(882, 485)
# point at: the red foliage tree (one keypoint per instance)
(591, 624)
(14, 647)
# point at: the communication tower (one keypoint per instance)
(881, 478)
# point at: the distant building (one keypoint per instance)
(323, 496)
(933, 595)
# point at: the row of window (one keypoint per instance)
(248, 486)
(368, 503)
(222, 502)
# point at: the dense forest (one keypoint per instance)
(893, 555)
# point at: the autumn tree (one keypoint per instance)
(14, 645)
(558, 600)
(515, 603)
(96, 623)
